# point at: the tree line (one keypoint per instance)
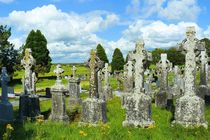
(10, 58)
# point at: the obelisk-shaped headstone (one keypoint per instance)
(189, 109)
(138, 105)
(6, 110)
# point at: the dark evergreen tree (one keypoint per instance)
(38, 44)
(117, 60)
(101, 53)
(8, 55)
(175, 57)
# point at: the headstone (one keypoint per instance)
(6, 109)
(74, 69)
(58, 98)
(163, 67)
(29, 106)
(203, 87)
(99, 80)
(189, 109)
(138, 104)
(93, 108)
(48, 93)
(34, 80)
(74, 90)
(107, 90)
(128, 77)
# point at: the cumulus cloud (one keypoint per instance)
(176, 10)
(6, 1)
(66, 32)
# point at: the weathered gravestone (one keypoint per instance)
(101, 94)
(203, 87)
(138, 104)
(29, 102)
(163, 66)
(58, 98)
(93, 108)
(74, 90)
(107, 90)
(189, 109)
(6, 110)
(178, 83)
(128, 77)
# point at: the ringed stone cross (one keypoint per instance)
(58, 71)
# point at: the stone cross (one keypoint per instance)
(58, 71)
(106, 74)
(128, 76)
(203, 68)
(28, 62)
(4, 78)
(34, 80)
(74, 69)
(95, 64)
(192, 47)
(163, 67)
(140, 55)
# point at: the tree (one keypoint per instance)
(117, 60)
(8, 55)
(101, 53)
(156, 55)
(38, 44)
(207, 44)
(175, 57)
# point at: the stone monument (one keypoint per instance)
(163, 66)
(128, 77)
(74, 90)
(93, 108)
(189, 110)
(58, 98)
(138, 105)
(107, 90)
(6, 110)
(29, 102)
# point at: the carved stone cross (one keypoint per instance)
(74, 69)
(203, 68)
(4, 78)
(58, 71)
(95, 64)
(140, 56)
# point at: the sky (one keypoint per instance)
(73, 27)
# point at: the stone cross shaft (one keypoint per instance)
(28, 62)
(95, 64)
(163, 67)
(74, 69)
(106, 74)
(203, 68)
(140, 56)
(192, 47)
(4, 78)
(58, 71)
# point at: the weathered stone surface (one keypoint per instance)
(128, 77)
(6, 109)
(93, 108)
(107, 90)
(138, 105)
(58, 98)
(163, 67)
(93, 111)
(189, 109)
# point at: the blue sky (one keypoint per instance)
(73, 27)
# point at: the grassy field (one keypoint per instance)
(113, 130)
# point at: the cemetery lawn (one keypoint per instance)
(112, 130)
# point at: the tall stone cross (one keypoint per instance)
(128, 76)
(140, 56)
(163, 67)
(28, 62)
(74, 69)
(95, 64)
(58, 71)
(203, 68)
(4, 78)
(106, 74)
(192, 48)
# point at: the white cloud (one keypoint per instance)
(6, 1)
(66, 33)
(176, 10)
